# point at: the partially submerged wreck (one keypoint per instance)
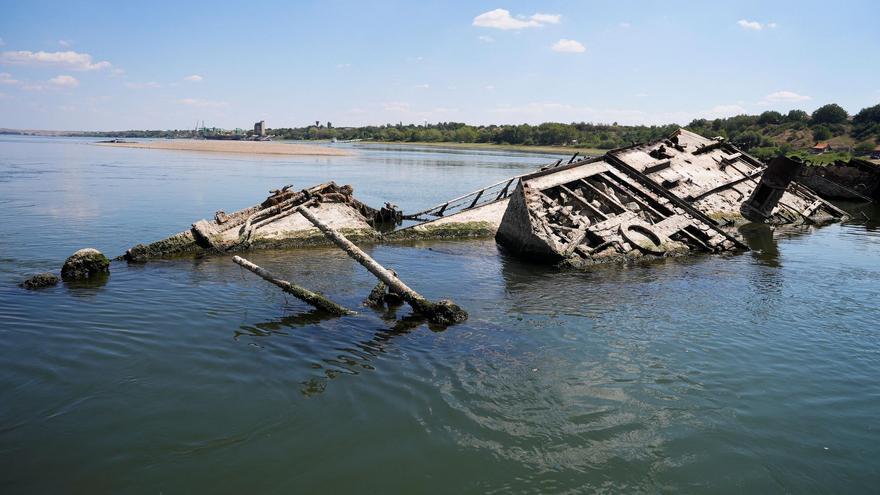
(657, 199)
(274, 223)
(674, 196)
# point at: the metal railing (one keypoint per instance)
(481, 197)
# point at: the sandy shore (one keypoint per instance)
(249, 147)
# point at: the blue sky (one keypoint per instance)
(161, 65)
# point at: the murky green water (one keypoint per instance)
(757, 372)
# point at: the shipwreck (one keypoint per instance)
(679, 195)
(671, 197)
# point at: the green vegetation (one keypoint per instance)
(576, 135)
(772, 133)
(766, 135)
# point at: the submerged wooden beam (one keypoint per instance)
(443, 312)
(303, 294)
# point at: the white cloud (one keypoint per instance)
(196, 102)
(343, 66)
(568, 46)
(722, 111)
(422, 86)
(486, 39)
(64, 81)
(6, 78)
(641, 95)
(755, 25)
(786, 96)
(117, 72)
(194, 78)
(65, 43)
(625, 25)
(501, 19)
(489, 87)
(143, 85)
(69, 59)
(546, 18)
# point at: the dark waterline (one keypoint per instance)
(752, 372)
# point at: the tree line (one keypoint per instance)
(772, 130)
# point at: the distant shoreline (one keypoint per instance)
(524, 148)
(245, 147)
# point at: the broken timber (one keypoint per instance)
(442, 312)
(303, 294)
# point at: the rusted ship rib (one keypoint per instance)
(674, 196)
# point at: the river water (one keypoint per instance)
(756, 372)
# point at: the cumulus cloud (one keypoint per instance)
(196, 102)
(546, 18)
(754, 25)
(194, 78)
(786, 96)
(64, 81)
(69, 60)
(501, 19)
(568, 46)
(723, 111)
(6, 78)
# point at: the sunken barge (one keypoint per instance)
(680, 195)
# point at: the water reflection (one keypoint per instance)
(759, 238)
(345, 357)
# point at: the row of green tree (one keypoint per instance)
(582, 134)
(768, 129)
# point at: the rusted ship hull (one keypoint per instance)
(658, 199)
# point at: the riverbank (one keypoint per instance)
(248, 147)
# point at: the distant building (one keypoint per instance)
(260, 128)
(821, 147)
